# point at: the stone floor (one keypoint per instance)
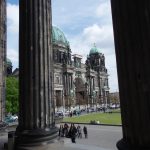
(3, 139)
(99, 138)
(66, 144)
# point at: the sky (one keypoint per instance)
(83, 23)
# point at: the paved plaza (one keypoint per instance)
(102, 137)
(99, 138)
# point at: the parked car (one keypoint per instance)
(99, 108)
(59, 114)
(90, 109)
(66, 113)
(15, 117)
(11, 118)
(77, 112)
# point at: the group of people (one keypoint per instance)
(74, 113)
(72, 131)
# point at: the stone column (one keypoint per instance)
(36, 101)
(90, 90)
(55, 100)
(67, 90)
(2, 57)
(131, 22)
(63, 100)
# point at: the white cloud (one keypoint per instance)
(101, 35)
(13, 18)
(103, 10)
(12, 55)
(110, 61)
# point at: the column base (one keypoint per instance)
(124, 145)
(29, 138)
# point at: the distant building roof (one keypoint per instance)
(16, 72)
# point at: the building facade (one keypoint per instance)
(76, 83)
(2, 57)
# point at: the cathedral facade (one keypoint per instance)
(2, 57)
(77, 83)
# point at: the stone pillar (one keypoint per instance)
(131, 22)
(99, 92)
(2, 57)
(63, 100)
(67, 87)
(36, 101)
(93, 83)
(55, 100)
(90, 90)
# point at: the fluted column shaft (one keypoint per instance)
(36, 112)
(2, 57)
(131, 21)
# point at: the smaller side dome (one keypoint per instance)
(94, 50)
(8, 62)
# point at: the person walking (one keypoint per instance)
(85, 131)
(70, 130)
(66, 130)
(61, 131)
(73, 133)
(79, 132)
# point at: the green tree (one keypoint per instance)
(12, 95)
(114, 98)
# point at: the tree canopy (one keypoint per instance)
(12, 95)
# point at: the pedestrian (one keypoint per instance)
(85, 131)
(66, 130)
(61, 131)
(69, 133)
(79, 132)
(71, 114)
(73, 133)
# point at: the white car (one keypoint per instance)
(66, 113)
(14, 117)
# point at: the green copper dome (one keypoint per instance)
(94, 50)
(8, 62)
(58, 37)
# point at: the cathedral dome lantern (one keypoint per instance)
(59, 38)
(94, 50)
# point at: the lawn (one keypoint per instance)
(116, 110)
(103, 118)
